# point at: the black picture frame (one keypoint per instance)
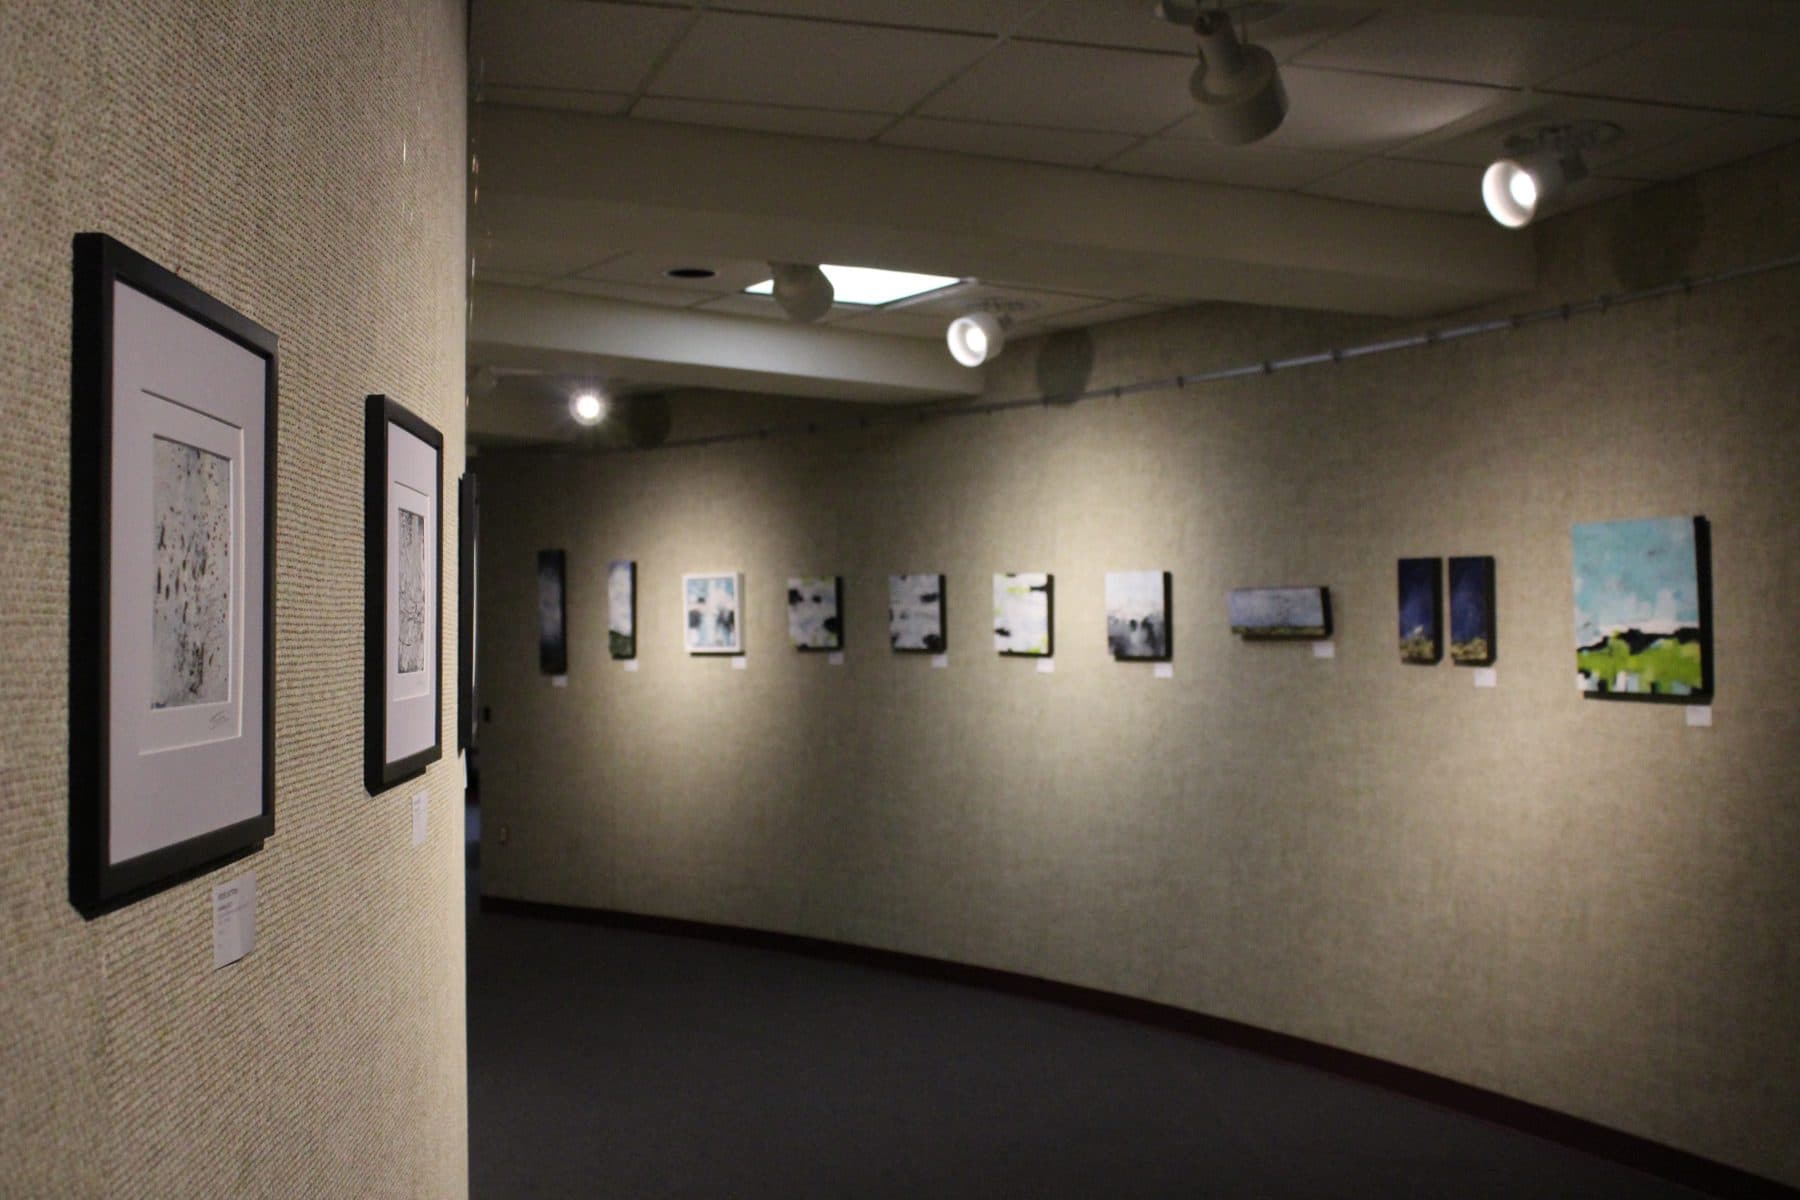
(100, 724)
(380, 772)
(468, 526)
(553, 612)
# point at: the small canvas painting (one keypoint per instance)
(1280, 612)
(1421, 610)
(713, 613)
(1022, 614)
(1137, 614)
(553, 633)
(1641, 608)
(916, 613)
(1472, 634)
(190, 613)
(815, 612)
(621, 608)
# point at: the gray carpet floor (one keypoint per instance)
(610, 1064)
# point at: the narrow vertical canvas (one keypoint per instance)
(1421, 610)
(1022, 614)
(1641, 608)
(621, 608)
(1137, 614)
(712, 613)
(916, 613)
(815, 612)
(1473, 640)
(553, 641)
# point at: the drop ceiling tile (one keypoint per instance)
(1642, 127)
(1133, 25)
(668, 297)
(1735, 138)
(804, 122)
(576, 44)
(567, 99)
(647, 270)
(1069, 147)
(531, 257)
(965, 297)
(1714, 68)
(1069, 87)
(887, 320)
(1471, 48)
(1355, 113)
(812, 64)
(1400, 183)
(962, 16)
(1236, 166)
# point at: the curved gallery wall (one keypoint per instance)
(1584, 904)
(258, 149)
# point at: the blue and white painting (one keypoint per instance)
(1137, 614)
(916, 613)
(1022, 614)
(1472, 638)
(1639, 607)
(1280, 612)
(621, 608)
(1421, 610)
(815, 619)
(713, 613)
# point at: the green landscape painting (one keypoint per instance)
(1640, 608)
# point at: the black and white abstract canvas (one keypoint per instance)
(815, 612)
(916, 613)
(1137, 614)
(712, 613)
(191, 606)
(621, 608)
(1022, 614)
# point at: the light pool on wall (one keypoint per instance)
(1641, 608)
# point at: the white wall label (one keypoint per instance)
(835, 659)
(631, 665)
(1486, 677)
(739, 663)
(1700, 716)
(1324, 649)
(940, 661)
(1163, 671)
(234, 919)
(559, 681)
(1046, 666)
(421, 806)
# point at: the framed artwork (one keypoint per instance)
(1643, 609)
(815, 612)
(403, 603)
(171, 579)
(468, 519)
(1281, 612)
(1473, 640)
(1137, 614)
(1022, 614)
(712, 612)
(621, 609)
(553, 628)
(1421, 610)
(916, 613)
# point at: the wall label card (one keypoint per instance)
(1324, 649)
(1163, 671)
(835, 659)
(1487, 677)
(740, 663)
(1699, 716)
(1046, 666)
(234, 919)
(631, 665)
(421, 807)
(940, 661)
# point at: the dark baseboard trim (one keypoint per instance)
(1653, 1158)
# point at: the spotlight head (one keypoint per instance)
(976, 337)
(588, 407)
(1236, 85)
(1538, 167)
(802, 290)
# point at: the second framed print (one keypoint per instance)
(403, 510)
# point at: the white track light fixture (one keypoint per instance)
(1538, 167)
(802, 290)
(977, 337)
(1236, 84)
(588, 407)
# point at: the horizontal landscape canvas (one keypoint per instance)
(916, 613)
(1421, 610)
(713, 613)
(1280, 612)
(1022, 614)
(621, 608)
(1641, 608)
(1472, 636)
(1137, 614)
(815, 612)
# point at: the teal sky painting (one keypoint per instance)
(1641, 575)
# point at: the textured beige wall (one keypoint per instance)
(1584, 904)
(303, 161)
